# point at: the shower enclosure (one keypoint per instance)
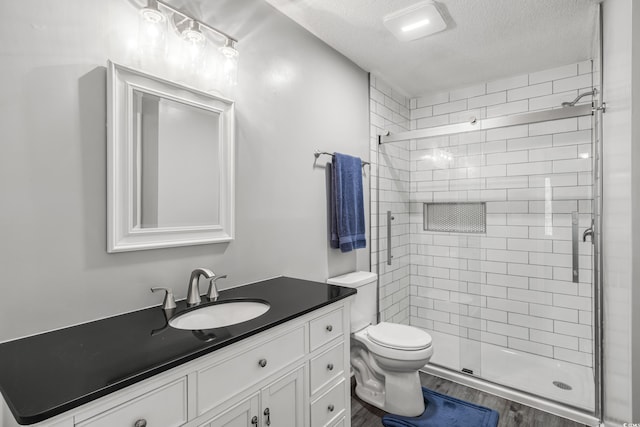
(483, 211)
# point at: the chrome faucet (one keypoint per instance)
(213, 293)
(193, 294)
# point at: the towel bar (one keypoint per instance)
(318, 153)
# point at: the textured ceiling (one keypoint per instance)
(485, 39)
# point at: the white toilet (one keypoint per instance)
(385, 357)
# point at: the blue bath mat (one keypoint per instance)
(445, 411)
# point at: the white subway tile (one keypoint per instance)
(469, 137)
(531, 322)
(562, 206)
(467, 116)
(573, 329)
(530, 142)
(458, 173)
(508, 132)
(433, 186)
(494, 315)
(573, 302)
(487, 147)
(510, 157)
(575, 165)
(585, 123)
(509, 306)
(526, 219)
(532, 168)
(485, 100)
(420, 113)
(508, 330)
(428, 122)
(466, 184)
(541, 271)
(531, 347)
(526, 295)
(556, 340)
(496, 339)
(558, 313)
(508, 83)
(553, 74)
(508, 280)
(586, 345)
(507, 182)
(572, 193)
(529, 91)
(507, 231)
(556, 233)
(413, 103)
(433, 142)
(434, 315)
(450, 107)
(487, 266)
(582, 81)
(568, 138)
(508, 108)
(488, 171)
(507, 256)
(555, 286)
(545, 258)
(508, 207)
(555, 180)
(572, 356)
(526, 194)
(432, 99)
(529, 245)
(555, 153)
(552, 127)
(447, 328)
(467, 92)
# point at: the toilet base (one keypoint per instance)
(395, 392)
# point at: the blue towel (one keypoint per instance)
(349, 202)
(445, 411)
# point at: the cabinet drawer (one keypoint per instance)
(340, 423)
(165, 406)
(325, 328)
(326, 367)
(219, 382)
(329, 406)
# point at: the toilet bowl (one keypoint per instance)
(385, 357)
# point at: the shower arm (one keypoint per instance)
(593, 92)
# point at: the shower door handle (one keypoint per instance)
(575, 267)
(389, 219)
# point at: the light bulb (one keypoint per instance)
(230, 63)
(152, 33)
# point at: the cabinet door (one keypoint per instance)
(243, 414)
(283, 401)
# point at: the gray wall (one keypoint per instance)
(295, 94)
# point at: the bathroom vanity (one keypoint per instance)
(288, 367)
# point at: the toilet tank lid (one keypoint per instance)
(354, 279)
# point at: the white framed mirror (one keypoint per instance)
(170, 163)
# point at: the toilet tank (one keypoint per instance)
(364, 306)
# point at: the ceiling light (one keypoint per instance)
(414, 22)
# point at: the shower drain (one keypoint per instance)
(562, 385)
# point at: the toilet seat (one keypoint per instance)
(394, 353)
(397, 336)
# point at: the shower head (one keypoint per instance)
(593, 92)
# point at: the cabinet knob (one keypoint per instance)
(331, 407)
(254, 420)
(330, 366)
(262, 363)
(140, 423)
(329, 328)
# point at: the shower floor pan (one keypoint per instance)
(550, 379)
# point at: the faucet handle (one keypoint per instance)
(213, 293)
(169, 302)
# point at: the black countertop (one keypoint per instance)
(45, 375)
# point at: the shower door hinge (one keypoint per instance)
(602, 107)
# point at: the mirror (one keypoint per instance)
(170, 163)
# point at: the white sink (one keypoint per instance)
(220, 314)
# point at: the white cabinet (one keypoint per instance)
(279, 404)
(293, 375)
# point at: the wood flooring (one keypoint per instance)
(512, 414)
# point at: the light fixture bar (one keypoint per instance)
(201, 24)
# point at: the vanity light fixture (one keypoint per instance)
(194, 33)
(419, 20)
